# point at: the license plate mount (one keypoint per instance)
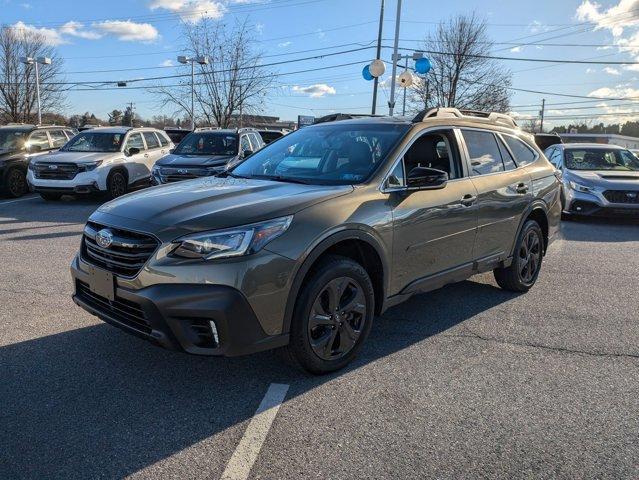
(101, 282)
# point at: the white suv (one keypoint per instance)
(106, 159)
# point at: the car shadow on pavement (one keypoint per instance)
(590, 229)
(64, 213)
(97, 402)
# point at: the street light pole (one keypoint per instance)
(404, 103)
(379, 54)
(202, 60)
(391, 101)
(36, 62)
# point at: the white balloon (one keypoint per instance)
(377, 68)
(406, 79)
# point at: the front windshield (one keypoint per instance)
(334, 154)
(11, 140)
(600, 159)
(95, 142)
(208, 143)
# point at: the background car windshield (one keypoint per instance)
(95, 142)
(336, 154)
(208, 144)
(11, 140)
(600, 159)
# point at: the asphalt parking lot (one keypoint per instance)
(468, 381)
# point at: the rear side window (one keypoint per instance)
(522, 152)
(58, 138)
(256, 140)
(151, 140)
(483, 150)
(509, 163)
(163, 140)
(39, 139)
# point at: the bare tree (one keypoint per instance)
(531, 125)
(17, 81)
(233, 82)
(462, 76)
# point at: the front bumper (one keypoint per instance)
(83, 182)
(595, 204)
(179, 316)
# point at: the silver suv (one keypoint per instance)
(306, 240)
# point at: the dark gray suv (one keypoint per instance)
(306, 240)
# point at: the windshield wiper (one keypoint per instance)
(280, 178)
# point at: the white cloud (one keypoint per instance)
(128, 31)
(167, 63)
(315, 91)
(192, 11)
(615, 18)
(76, 29)
(49, 35)
(615, 92)
(26, 6)
(537, 27)
(611, 71)
(590, 70)
(320, 33)
(516, 49)
(284, 44)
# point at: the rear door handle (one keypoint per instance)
(468, 200)
(146, 155)
(521, 188)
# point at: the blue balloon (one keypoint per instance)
(366, 73)
(423, 66)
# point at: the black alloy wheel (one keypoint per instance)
(337, 318)
(529, 256)
(117, 184)
(16, 183)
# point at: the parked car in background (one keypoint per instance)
(545, 140)
(597, 179)
(113, 160)
(271, 135)
(87, 127)
(177, 134)
(18, 145)
(206, 152)
(302, 243)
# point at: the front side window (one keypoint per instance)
(522, 152)
(39, 139)
(11, 140)
(208, 143)
(58, 138)
(91, 141)
(434, 150)
(134, 141)
(600, 159)
(330, 154)
(483, 150)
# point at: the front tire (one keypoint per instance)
(117, 184)
(333, 315)
(15, 183)
(522, 273)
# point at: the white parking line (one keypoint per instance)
(18, 200)
(246, 453)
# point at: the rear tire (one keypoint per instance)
(522, 273)
(15, 184)
(117, 184)
(333, 316)
(51, 197)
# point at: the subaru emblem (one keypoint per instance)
(631, 195)
(53, 167)
(182, 171)
(104, 238)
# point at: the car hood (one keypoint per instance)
(174, 160)
(76, 157)
(211, 203)
(607, 179)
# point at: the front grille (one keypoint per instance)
(622, 196)
(122, 310)
(170, 175)
(55, 171)
(126, 255)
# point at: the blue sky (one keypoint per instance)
(132, 34)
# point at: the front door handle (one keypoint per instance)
(468, 200)
(521, 188)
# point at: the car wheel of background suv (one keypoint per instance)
(522, 273)
(333, 315)
(116, 184)
(15, 183)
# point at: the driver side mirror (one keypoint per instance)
(247, 153)
(132, 151)
(423, 178)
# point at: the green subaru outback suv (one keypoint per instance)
(305, 241)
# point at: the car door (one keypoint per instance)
(58, 138)
(433, 230)
(153, 153)
(38, 143)
(136, 163)
(504, 192)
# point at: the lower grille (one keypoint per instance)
(55, 171)
(124, 311)
(125, 256)
(622, 196)
(170, 175)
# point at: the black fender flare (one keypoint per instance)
(536, 204)
(118, 168)
(316, 250)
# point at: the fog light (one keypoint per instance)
(214, 332)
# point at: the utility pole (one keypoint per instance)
(543, 108)
(391, 101)
(379, 53)
(131, 106)
(404, 102)
(241, 106)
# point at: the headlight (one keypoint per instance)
(232, 242)
(578, 187)
(87, 167)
